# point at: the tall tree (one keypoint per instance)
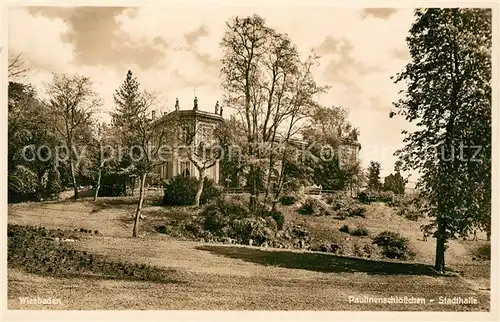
(30, 132)
(269, 87)
(17, 66)
(102, 153)
(245, 44)
(297, 102)
(141, 136)
(72, 101)
(395, 182)
(330, 136)
(448, 95)
(373, 176)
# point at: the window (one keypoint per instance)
(184, 133)
(206, 134)
(185, 168)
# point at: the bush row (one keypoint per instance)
(368, 196)
(41, 251)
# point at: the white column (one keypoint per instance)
(216, 172)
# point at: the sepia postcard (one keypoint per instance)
(217, 160)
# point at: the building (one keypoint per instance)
(199, 127)
(202, 125)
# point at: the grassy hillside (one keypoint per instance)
(217, 276)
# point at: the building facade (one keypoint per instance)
(196, 127)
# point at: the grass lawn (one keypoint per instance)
(227, 277)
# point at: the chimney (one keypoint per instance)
(153, 114)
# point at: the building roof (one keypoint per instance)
(199, 113)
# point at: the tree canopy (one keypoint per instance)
(448, 96)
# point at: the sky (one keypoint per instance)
(174, 51)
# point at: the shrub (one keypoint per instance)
(344, 229)
(230, 207)
(312, 207)
(326, 248)
(181, 191)
(345, 205)
(278, 217)
(357, 211)
(113, 184)
(394, 245)
(162, 229)
(357, 251)
(338, 200)
(288, 200)
(299, 232)
(251, 228)
(411, 207)
(364, 197)
(368, 250)
(22, 185)
(410, 212)
(214, 220)
(385, 196)
(194, 228)
(230, 217)
(360, 231)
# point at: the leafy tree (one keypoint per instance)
(296, 172)
(301, 101)
(329, 133)
(102, 158)
(373, 176)
(355, 176)
(72, 102)
(270, 88)
(448, 95)
(328, 125)
(30, 133)
(395, 182)
(140, 136)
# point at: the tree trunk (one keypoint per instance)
(73, 176)
(139, 206)
(269, 174)
(488, 235)
(98, 186)
(439, 264)
(254, 197)
(200, 188)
